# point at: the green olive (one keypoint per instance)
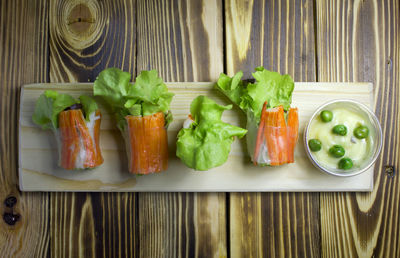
(361, 132)
(345, 163)
(315, 145)
(340, 130)
(326, 116)
(337, 151)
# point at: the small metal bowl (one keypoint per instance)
(376, 132)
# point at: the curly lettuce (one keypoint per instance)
(89, 106)
(147, 96)
(269, 86)
(51, 103)
(207, 142)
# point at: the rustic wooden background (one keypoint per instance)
(72, 41)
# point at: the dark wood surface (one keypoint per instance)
(278, 35)
(84, 39)
(70, 41)
(363, 45)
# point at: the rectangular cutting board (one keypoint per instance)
(38, 169)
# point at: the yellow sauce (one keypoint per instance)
(355, 149)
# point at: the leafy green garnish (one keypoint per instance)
(233, 87)
(88, 105)
(51, 103)
(113, 85)
(48, 106)
(147, 96)
(207, 143)
(168, 118)
(270, 86)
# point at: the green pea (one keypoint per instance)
(326, 116)
(345, 163)
(361, 132)
(315, 145)
(337, 151)
(340, 130)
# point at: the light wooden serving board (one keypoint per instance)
(38, 169)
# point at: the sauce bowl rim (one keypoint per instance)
(379, 138)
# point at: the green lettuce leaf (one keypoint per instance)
(48, 106)
(272, 87)
(42, 114)
(269, 86)
(207, 143)
(133, 107)
(152, 92)
(147, 96)
(168, 118)
(113, 86)
(88, 105)
(233, 87)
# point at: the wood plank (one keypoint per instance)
(23, 59)
(89, 37)
(280, 36)
(277, 35)
(38, 150)
(183, 40)
(85, 38)
(363, 37)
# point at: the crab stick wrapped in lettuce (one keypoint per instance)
(76, 125)
(271, 123)
(205, 141)
(142, 114)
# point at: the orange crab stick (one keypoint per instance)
(292, 132)
(148, 144)
(275, 134)
(79, 149)
(279, 136)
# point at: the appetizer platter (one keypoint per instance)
(113, 135)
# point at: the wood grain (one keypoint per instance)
(93, 225)
(363, 37)
(85, 38)
(23, 59)
(183, 40)
(280, 36)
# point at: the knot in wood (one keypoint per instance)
(80, 19)
(10, 201)
(77, 25)
(389, 170)
(10, 218)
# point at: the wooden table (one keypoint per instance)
(65, 41)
